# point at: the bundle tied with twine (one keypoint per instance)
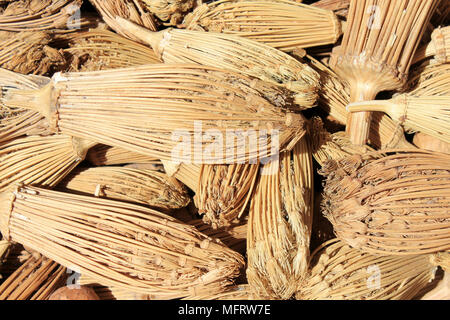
(340, 272)
(176, 112)
(390, 204)
(236, 54)
(438, 47)
(117, 244)
(103, 155)
(39, 160)
(36, 279)
(377, 50)
(187, 173)
(275, 23)
(279, 226)
(146, 187)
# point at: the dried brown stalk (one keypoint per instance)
(236, 54)
(38, 160)
(116, 243)
(377, 50)
(148, 187)
(189, 174)
(438, 48)
(275, 23)
(280, 221)
(103, 155)
(397, 204)
(339, 272)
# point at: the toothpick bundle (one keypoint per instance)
(189, 174)
(377, 50)
(176, 112)
(397, 204)
(275, 23)
(147, 187)
(39, 160)
(438, 48)
(224, 191)
(236, 54)
(279, 226)
(116, 243)
(103, 155)
(340, 272)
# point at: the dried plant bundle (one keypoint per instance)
(377, 50)
(238, 292)
(340, 272)
(189, 174)
(117, 244)
(148, 187)
(427, 114)
(35, 279)
(29, 53)
(38, 15)
(103, 155)
(102, 49)
(336, 146)
(339, 7)
(438, 48)
(128, 9)
(397, 204)
(166, 103)
(236, 54)
(38, 160)
(224, 191)
(279, 226)
(430, 80)
(275, 23)
(170, 11)
(442, 259)
(426, 142)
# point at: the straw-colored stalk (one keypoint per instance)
(430, 80)
(336, 146)
(103, 155)
(170, 11)
(39, 15)
(38, 160)
(397, 204)
(224, 191)
(147, 187)
(377, 50)
(29, 53)
(441, 291)
(427, 114)
(340, 272)
(237, 293)
(237, 54)
(426, 142)
(36, 279)
(189, 174)
(128, 9)
(438, 47)
(334, 96)
(275, 23)
(117, 244)
(204, 107)
(101, 49)
(279, 226)
(339, 7)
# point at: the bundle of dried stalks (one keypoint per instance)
(430, 80)
(224, 191)
(148, 187)
(101, 49)
(29, 53)
(427, 114)
(238, 292)
(170, 11)
(442, 259)
(339, 7)
(166, 103)
(339, 272)
(128, 9)
(438, 48)
(377, 50)
(397, 204)
(426, 142)
(275, 23)
(38, 160)
(236, 54)
(35, 279)
(279, 226)
(189, 174)
(38, 15)
(103, 155)
(116, 243)
(336, 146)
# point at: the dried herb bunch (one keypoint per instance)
(116, 243)
(390, 204)
(195, 99)
(275, 23)
(148, 187)
(340, 272)
(280, 221)
(103, 155)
